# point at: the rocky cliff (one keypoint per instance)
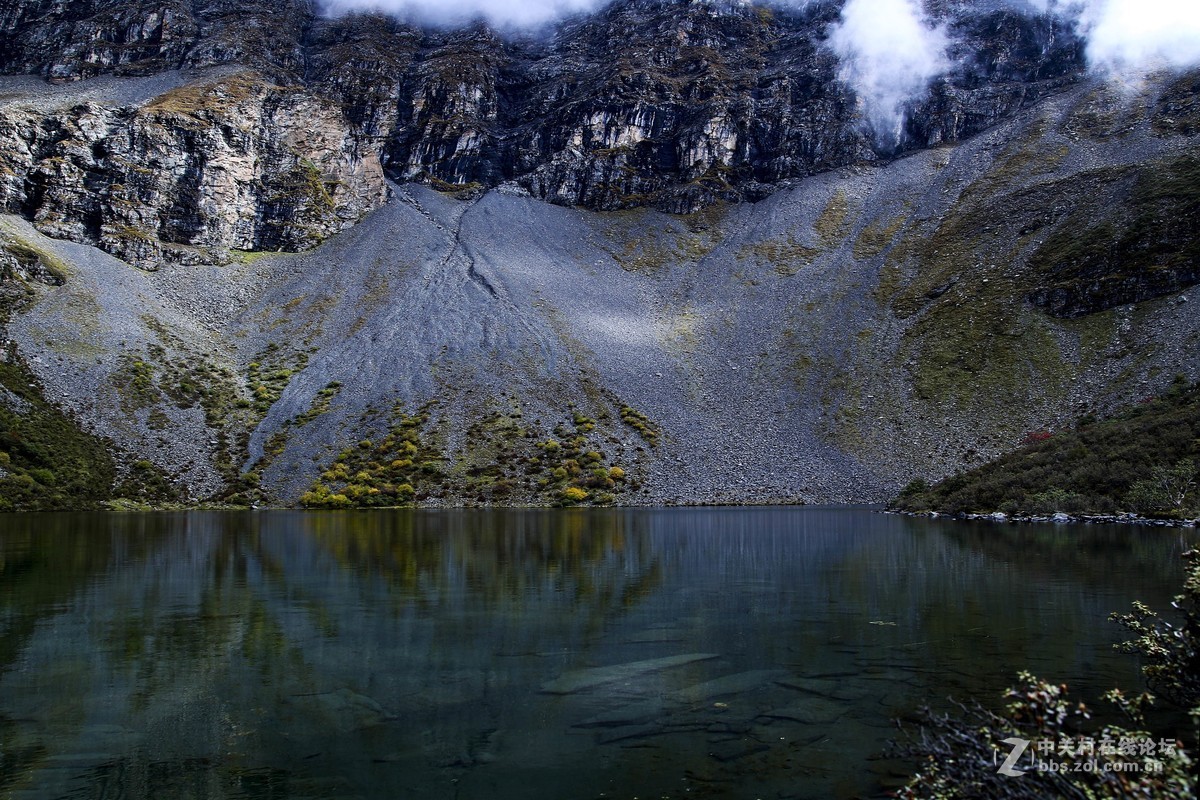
(354, 290)
(673, 104)
(228, 162)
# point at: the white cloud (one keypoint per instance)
(890, 52)
(1136, 35)
(499, 13)
(889, 55)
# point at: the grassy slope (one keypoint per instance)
(1142, 460)
(47, 461)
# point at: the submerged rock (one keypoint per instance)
(631, 714)
(654, 637)
(736, 749)
(346, 710)
(726, 685)
(629, 733)
(580, 680)
(845, 690)
(816, 711)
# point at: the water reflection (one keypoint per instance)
(708, 652)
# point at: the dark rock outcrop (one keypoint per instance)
(234, 163)
(73, 40)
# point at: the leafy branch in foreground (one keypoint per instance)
(969, 754)
(1171, 652)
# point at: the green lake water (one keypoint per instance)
(569, 654)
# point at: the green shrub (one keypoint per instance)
(43, 476)
(372, 474)
(574, 494)
(1167, 489)
(1054, 501)
(640, 423)
(315, 497)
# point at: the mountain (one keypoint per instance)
(673, 104)
(659, 253)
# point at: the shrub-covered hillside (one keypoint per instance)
(1144, 460)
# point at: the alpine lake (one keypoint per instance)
(547, 654)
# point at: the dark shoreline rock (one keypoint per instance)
(1055, 519)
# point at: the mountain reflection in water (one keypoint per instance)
(529, 653)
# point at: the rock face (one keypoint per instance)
(73, 40)
(674, 104)
(232, 163)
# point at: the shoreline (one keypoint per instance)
(1059, 518)
(181, 508)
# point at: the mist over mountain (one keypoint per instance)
(733, 251)
(505, 14)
